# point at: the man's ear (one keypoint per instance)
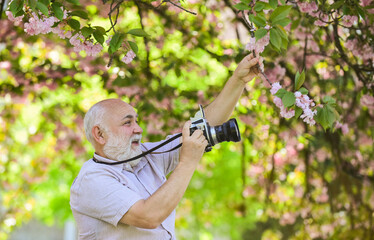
(98, 135)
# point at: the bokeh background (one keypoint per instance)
(284, 180)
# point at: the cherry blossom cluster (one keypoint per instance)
(259, 45)
(81, 44)
(43, 25)
(37, 26)
(348, 20)
(343, 127)
(305, 103)
(278, 102)
(302, 101)
(365, 51)
(17, 20)
(130, 55)
(312, 9)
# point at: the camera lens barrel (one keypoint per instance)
(229, 132)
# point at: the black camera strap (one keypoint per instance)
(145, 153)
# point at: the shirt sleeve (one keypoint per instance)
(104, 197)
(168, 161)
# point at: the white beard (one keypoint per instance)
(119, 150)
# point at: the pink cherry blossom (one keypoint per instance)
(275, 87)
(305, 103)
(348, 20)
(37, 26)
(81, 44)
(343, 127)
(258, 46)
(365, 3)
(251, 45)
(307, 7)
(284, 112)
(288, 218)
(16, 20)
(367, 101)
(129, 57)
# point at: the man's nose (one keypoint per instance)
(138, 129)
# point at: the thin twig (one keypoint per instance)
(252, 32)
(176, 5)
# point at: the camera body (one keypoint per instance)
(228, 131)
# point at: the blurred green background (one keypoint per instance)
(284, 180)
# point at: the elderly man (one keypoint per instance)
(135, 200)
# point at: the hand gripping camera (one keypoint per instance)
(229, 131)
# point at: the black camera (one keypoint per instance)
(229, 131)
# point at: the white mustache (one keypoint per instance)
(136, 138)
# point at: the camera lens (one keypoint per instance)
(229, 132)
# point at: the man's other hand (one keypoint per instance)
(247, 69)
(193, 145)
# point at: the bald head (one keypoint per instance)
(103, 113)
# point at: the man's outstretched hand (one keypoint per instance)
(247, 69)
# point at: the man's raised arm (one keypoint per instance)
(222, 107)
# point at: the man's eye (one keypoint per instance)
(127, 123)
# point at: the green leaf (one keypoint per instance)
(281, 32)
(283, 2)
(325, 116)
(280, 13)
(260, 33)
(32, 4)
(56, 7)
(98, 36)
(273, 3)
(100, 30)
(246, 1)
(336, 5)
(328, 100)
(284, 43)
(259, 6)
(74, 24)
(259, 21)
(299, 80)
(298, 112)
(361, 11)
(280, 93)
(87, 31)
(20, 13)
(133, 46)
(303, 90)
(43, 8)
(295, 24)
(283, 22)
(288, 99)
(138, 32)
(45, 2)
(242, 6)
(346, 10)
(16, 6)
(79, 13)
(116, 42)
(275, 38)
(76, 2)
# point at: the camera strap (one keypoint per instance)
(145, 153)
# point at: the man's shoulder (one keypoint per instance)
(91, 168)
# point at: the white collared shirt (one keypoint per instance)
(101, 194)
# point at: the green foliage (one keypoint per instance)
(285, 180)
(116, 42)
(299, 80)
